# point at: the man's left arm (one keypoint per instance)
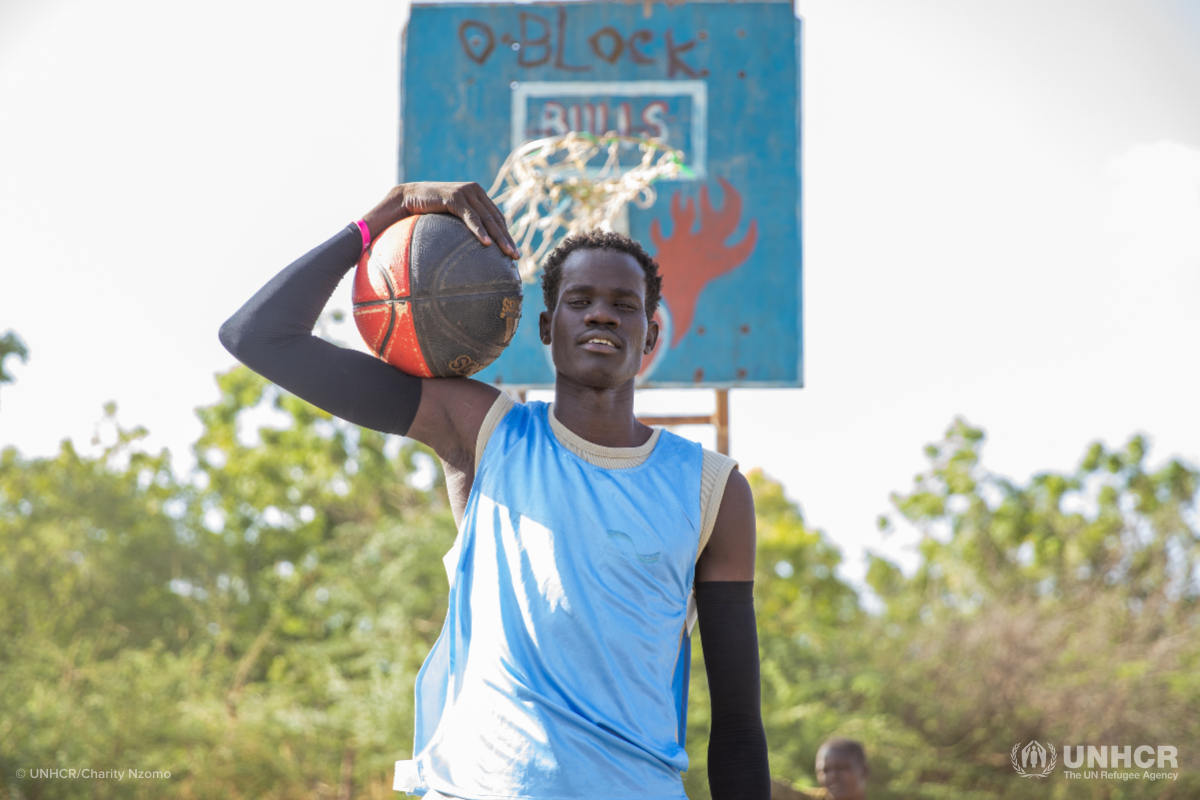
(737, 746)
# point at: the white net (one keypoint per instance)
(552, 187)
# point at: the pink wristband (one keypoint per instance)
(366, 234)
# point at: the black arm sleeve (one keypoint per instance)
(272, 335)
(737, 745)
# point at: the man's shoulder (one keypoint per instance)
(501, 407)
(714, 477)
(718, 462)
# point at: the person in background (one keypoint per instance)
(842, 769)
(841, 772)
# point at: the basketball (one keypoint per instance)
(431, 300)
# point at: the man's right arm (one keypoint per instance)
(272, 333)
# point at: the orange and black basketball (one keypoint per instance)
(432, 301)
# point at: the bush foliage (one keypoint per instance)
(255, 628)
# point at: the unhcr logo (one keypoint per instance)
(1034, 757)
(1035, 760)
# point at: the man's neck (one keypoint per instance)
(601, 416)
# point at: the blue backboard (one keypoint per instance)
(720, 81)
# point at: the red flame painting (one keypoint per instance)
(690, 259)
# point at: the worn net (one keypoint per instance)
(550, 188)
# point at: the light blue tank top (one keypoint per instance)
(561, 672)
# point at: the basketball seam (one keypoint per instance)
(387, 279)
(411, 297)
(454, 254)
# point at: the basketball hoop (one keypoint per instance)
(546, 186)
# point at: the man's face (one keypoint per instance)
(598, 332)
(842, 774)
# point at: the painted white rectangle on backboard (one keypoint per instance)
(675, 112)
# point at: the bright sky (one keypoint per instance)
(1002, 218)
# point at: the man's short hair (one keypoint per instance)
(600, 240)
(848, 747)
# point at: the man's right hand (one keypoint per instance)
(467, 201)
(451, 410)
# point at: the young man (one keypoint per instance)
(561, 671)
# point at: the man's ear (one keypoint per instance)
(651, 337)
(544, 326)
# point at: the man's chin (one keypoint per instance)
(597, 378)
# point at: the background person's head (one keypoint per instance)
(842, 769)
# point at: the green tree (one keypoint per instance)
(11, 345)
(88, 551)
(1062, 610)
(255, 627)
(255, 630)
